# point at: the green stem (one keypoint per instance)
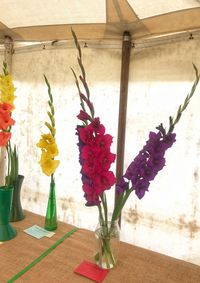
(8, 149)
(101, 218)
(174, 121)
(50, 113)
(120, 204)
(105, 252)
(105, 236)
(105, 208)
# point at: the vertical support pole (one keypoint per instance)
(8, 51)
(126, 50)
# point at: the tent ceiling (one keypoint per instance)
(49, 20)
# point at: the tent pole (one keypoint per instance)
(126, 50)
(8, 51)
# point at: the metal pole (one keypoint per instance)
(8, 51)
(126, 50)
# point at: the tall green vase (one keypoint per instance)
(51, 213)
(7, 232)
(17, 212)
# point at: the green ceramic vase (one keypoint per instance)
(51, 213)
(17, 212)
(7, 232)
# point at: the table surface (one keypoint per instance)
(135, 264)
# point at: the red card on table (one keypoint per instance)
(91, 271)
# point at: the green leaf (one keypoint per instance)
(173, 122)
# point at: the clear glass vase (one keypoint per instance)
(51, 213)
(107, 238)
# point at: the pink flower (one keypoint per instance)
(97, 127)
(83, 116)
(105, 180)
(106, 160)
(86, 135)
(91, 195)
(104, 141)
(95, 159)
(88, 102)
(88, 167)
(89, 152)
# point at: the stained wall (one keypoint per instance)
(167, 218)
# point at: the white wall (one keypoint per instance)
(167, 219)
(31, 107)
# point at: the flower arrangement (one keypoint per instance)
(49, 150)
(95, 159)
(7, 98)
(47, 142)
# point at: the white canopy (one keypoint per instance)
(49, 20)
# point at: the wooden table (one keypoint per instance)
(136, 265)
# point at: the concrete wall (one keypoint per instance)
(167, 219)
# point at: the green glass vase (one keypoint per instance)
(51, 213)
(17, 212)
(7, 232)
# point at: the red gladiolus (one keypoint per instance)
(4, 138)
(5, 120)
(83, 116)
(104, 141)
(95, 159)
(5, 107)
(105, 180)
(5, 117)
(86, 135)
(97, 127)
(91, 195)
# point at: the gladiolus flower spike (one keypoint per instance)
(95, 157)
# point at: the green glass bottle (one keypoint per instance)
(51, 213)
(7, 232)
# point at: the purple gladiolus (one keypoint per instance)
(146, 164)
(121, 186)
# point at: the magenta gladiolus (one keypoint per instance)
(96, 159)
(83, 116)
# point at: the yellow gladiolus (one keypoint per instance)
(46, 139)
(53, 149)
(7, 89)
(48, 164)
(48, 144)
